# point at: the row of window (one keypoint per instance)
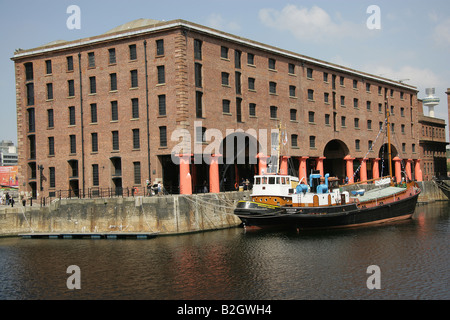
(161, 79)
(114, 138)
(272, 65)
(112, 59)
(93, 113)
(95, 174)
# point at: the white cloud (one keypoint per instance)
(313, 24)
(216, 21)
(441, 33)
(419, 77)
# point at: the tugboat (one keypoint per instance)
(283, 200)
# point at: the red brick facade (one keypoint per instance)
(316, 102)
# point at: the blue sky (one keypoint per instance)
(413, 42)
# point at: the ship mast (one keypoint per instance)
(389, 136)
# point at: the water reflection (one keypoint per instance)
(234, 264)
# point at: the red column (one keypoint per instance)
(302, 170)
(284, 165)
(349, 165)
(408, 169)
(214, 181)
(376, 168)
(398, 169)
(363, 170)
(319, 166)
(262, 167)
(185, 175)
(418, 171)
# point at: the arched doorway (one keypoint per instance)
(383, 154)
(334, 153)
(239, 161)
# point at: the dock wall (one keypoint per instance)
(172, 214)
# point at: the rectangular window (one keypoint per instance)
(91, 60)
(251, 59)
(69, 63)
(224, 52)
(355, 103)
(291, 68)
(357, 145)
(94, 142)
(309, 73)
(137, 173)
(71, 87)
(198, 49)
(50, 118)
(52, 177)
(115, 140)
(327, 119)
(71, 116)
(95, 177)
(73, 144)
(326, 97)
(162, 104)
(28, 71)
(237, 59)
(251, 83)
(238, 110)
(161, 75)
(51, 146)
(252, 109)
(225, 79)
(48, 66)
(113, 81)
(325, 77)
(311, 116)
(343, 101)
(294, 140)
(369, 124)
(31, 120)
(163, 136)
(356, 123)
(135, 108)
(273, 112)
(310, 95)
(343, 122)
(49, 91)
(272, 64)
(238, 82)
(112, 56)
(114, 111)
(292, 92)
(312, 142)
(92, 85)
(136, 140)
(134, 78)
(133, 52)
(198, 75)
(272, 87)
(93, 113)
(30, 94)
(199, 104)
(293, 114)
(226, 106)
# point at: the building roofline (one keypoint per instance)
(179, 23)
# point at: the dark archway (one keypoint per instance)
(334, 153)
(239, 161)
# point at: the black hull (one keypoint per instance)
(325, 217)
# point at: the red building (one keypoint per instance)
(146, 100)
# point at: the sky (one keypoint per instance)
(400, 40)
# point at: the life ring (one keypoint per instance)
(136, 190)
(236, 185)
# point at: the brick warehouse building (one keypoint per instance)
(100, 112)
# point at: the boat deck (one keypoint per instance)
(378, 193)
